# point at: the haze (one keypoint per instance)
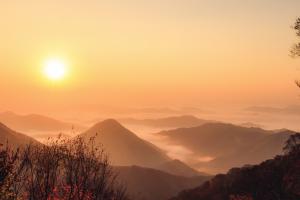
(140, 54)
(152, 100)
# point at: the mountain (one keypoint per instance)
(177, 167)
(126, 149)
(250, 125)
(13, 138)
(123, 146)
(278, 178)
(214, 139)
(34, 122)
(228, 145)
(151, 184)
(288, 110)
(168, 122)
(266, 148)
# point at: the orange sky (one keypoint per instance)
(148, 53)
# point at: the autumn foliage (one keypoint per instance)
(61, 170)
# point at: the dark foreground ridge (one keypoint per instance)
(274, 179)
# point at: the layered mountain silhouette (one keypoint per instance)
(288, 110)
(168, 122)
(229, 145)
(13, 138)
(149, 173)
(177, 167)
(251, 125)
(126, 149)
(151, 184)
(278, 178)
(35, 122)
(123, 146)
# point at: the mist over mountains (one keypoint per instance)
(123, 146)
(133, 158)
(228, 145)
(36, 122)
(150, 100)
(127, 149)
(13, 138)
(288, 110)
(216, 147)
(277, 178)
(167, 122)
(150, 184)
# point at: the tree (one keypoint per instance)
(8, 160)
(296, 48)
(295, 52)
(64, 170)
(292, 145)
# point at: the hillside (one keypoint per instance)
(151, 184)
(168, 122)
(177, 167)
(14, 138)
(34, 122)
(123, 146)
(228, 145)
(278, 178)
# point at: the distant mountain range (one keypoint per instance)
(228, 145)
(151, 184)
(278, 178)
(168, 122)
(127, 149)
(35, 122)
(251, 125)
(289, 110)
(177, 167)
(123, 146)
(150, 174)
(13, 138)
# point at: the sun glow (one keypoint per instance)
(55, 69)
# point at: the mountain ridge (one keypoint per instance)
(167, 122)
(119, 141)
(13, 138)
(276, 178)
(225, 143)
(149, 184)
(35, 122)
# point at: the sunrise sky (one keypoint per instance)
(156, 53)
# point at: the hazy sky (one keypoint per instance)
(148, 53)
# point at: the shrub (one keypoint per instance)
(63, 170)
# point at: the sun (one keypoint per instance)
(55, 69)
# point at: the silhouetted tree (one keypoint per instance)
(61, 170)
(296, 49)
(8, 160)
(295, 52)
(292, 145)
